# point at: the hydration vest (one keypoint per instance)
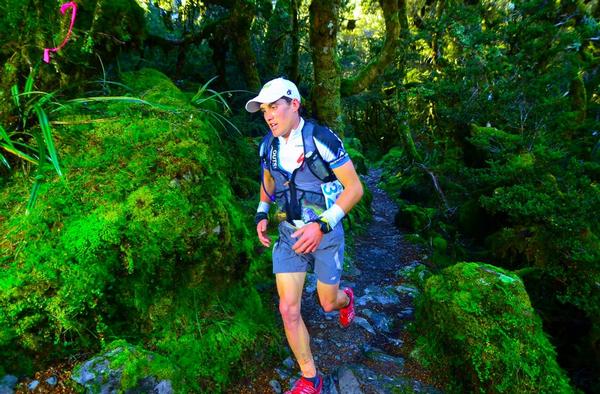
(300, 195)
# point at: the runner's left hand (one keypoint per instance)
(310, 237)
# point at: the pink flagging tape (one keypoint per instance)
(63, 9)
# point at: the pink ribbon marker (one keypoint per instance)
(63, 9)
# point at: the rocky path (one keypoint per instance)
(371, 355)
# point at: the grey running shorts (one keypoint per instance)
(327, 261)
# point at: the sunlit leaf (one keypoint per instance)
(14, 90)
(47, 134)
(33, 195)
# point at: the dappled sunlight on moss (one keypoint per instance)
(144, 220)
(479, 331)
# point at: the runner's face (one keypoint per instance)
(280, 116)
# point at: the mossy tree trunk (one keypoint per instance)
(294, 73)
(277, 33)
(328, 86)
(368, 74)
(404, 131)
(218, 44)
(326, 99)
(242, 15)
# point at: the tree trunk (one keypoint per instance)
(403, 124)
(277, 32)
(377, 65)
(294, 74)
(326, 99)
(219, 48)
(241, 18)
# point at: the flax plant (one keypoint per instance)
(208, 100)
(33, 124)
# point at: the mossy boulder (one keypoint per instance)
(479, 332)
(123, 367)
(139, 238)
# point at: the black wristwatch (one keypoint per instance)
(260, 216)
(325, 228)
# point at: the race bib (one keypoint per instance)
(331, 192)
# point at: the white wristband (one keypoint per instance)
(263, 207)
(333, 215)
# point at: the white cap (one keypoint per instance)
(273, 91)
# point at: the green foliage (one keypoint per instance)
(233, 335)
(358, 160)
(505, 103)
(478, 330)
(545, 196)
(415, 218)
(29, 111)
(145, 221)
(101, 30)
(361, 214)
(203, 347)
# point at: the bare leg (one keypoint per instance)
(289, 287)
(331, 297)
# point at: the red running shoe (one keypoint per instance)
(347, 312)
(303, 386)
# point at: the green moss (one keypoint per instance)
(134, 364)
(147, 218)
(154, 87)
(478, 330)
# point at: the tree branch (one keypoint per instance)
(371, 71)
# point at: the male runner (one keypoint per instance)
(304, 166)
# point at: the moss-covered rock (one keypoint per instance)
(140, 239)
(478, 331)
(123, 367)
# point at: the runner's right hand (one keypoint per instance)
(261, 230)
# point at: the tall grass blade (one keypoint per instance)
(47, 133)
(4, 135)
(111, 98)
(221, 99)
(4, 161)
(15, 151)
(39, 177)
(220, 118)
(33, 195)
(14, 90)
(29, 83)
(202, 89)
(7, 145)
(47, 97)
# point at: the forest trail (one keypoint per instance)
(371, 356)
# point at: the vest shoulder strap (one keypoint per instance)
(265, 147)
(314, 160)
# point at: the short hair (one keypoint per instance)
(301, 109)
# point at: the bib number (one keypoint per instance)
(331, 192)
